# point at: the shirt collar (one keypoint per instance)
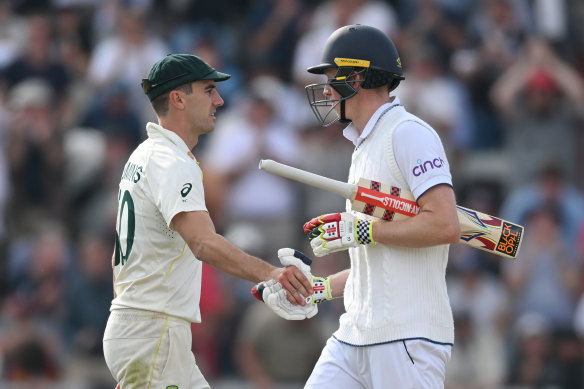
(156, 131)
(352, 134)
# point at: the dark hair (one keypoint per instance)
(160, 103)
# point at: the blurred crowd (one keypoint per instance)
(502, 81)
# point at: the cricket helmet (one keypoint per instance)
(352, 50)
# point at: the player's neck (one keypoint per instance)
(183, 130)
(367, 105)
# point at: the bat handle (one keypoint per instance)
(343, 189)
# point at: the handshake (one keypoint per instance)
(274, 296)
(327, 233)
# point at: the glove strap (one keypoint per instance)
(258, 291)
(363, 231)
(322, 289)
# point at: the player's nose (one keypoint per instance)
(217, 99)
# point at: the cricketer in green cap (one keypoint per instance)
(175, 70)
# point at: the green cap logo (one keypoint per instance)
(172, 387)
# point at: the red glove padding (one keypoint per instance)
(320, 220)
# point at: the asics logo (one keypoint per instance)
(186, 189)
(422, 168)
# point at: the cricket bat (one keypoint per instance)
(389, 203)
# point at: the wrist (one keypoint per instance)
(364, 231)
(272, 273)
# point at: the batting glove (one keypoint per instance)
(337, 231)
(322, 289)
(320, 285)
(274, 296)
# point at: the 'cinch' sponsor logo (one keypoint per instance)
(422, 168)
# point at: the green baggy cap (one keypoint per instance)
(175, 70)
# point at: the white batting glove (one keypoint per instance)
(337, 231)
(320, 285)
(322, 289)
(274, 296)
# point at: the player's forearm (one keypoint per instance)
(223, 255)
(423, 230)
(337, 283)
(436, 224)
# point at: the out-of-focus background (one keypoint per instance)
(500, 80)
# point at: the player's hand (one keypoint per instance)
(278, 298)
(295, 276)
(320, 286)
(337, 231)
(272, 293)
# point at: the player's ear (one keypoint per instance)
(357, 79)
(175, 98)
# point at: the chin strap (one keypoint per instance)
(342, 118)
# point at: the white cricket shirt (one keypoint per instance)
(155, 269)
(393, 292)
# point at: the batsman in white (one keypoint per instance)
(398, 330)
(164, 232)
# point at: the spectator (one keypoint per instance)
(33, 316)
(126, 56)
(322, 153)
(551, 21)
(89, 294)
(326, 18)
(115, 116)
(541, 99)
(495, 32)
(73, 44)
(271, 31)
(480, 302)
(448, 114)
(12, 34)
(545, 278)
(38, 266)
(35, 156)
(551, 187)
(566, 360)
(235, 187)
(530, 353)
(209, 51)
(209, 336)
(478, 362)
(30, 362)
(58, 68)
(39, 60)
(272, 351)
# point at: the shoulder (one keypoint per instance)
(414, 130)
(164, 152)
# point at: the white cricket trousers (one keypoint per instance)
(149, 350)
(408, 364)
